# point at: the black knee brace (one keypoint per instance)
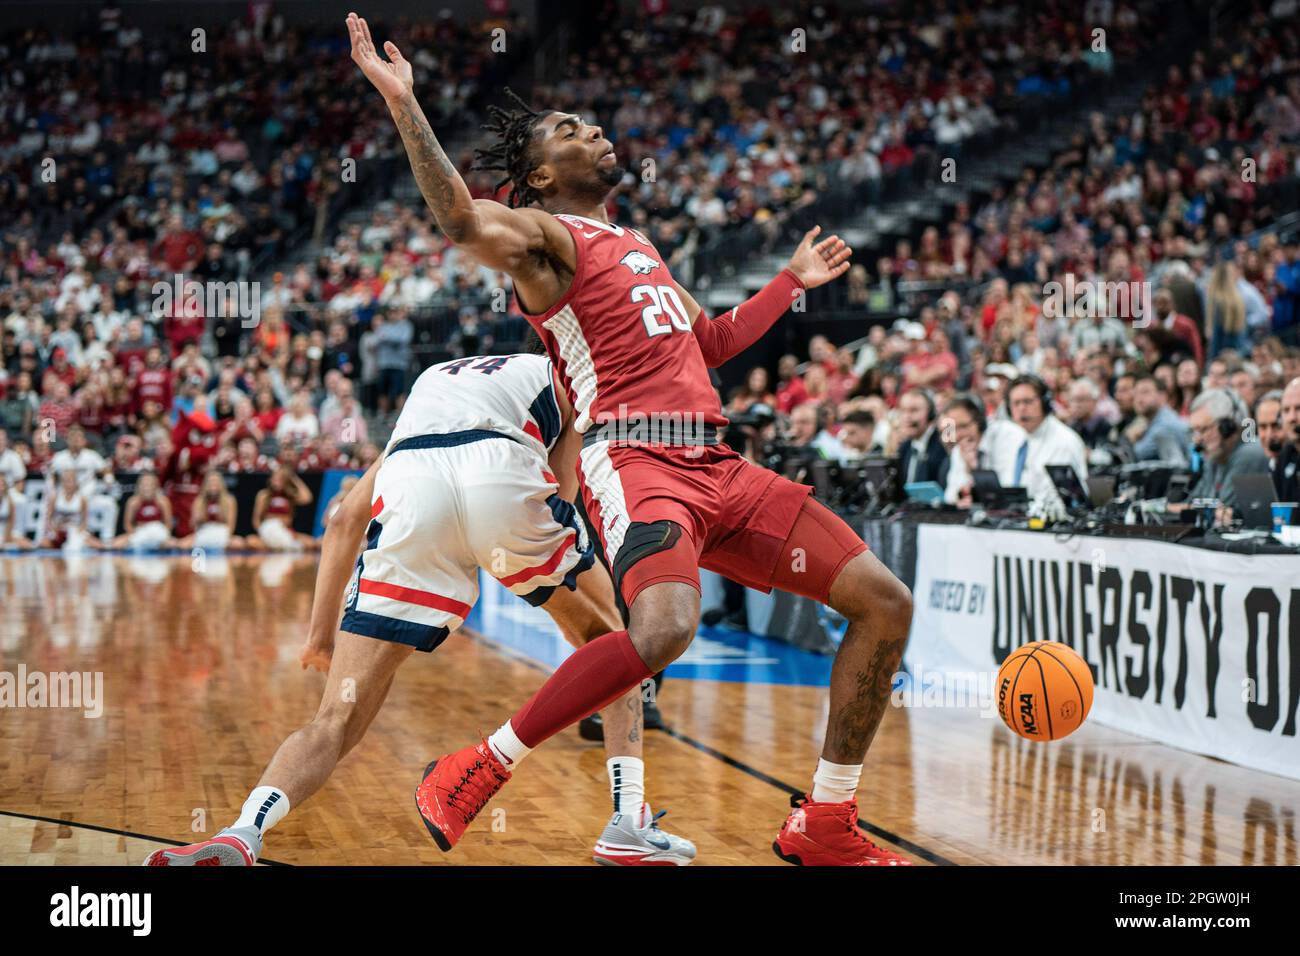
(641, 540)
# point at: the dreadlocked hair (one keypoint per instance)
(514, 135)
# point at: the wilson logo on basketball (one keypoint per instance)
(639, 263)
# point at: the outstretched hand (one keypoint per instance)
(317, 653)
(818, 263)
(391, 77)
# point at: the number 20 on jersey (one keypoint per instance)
(662, 301)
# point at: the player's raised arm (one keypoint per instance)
(499, 237)
(813, 264)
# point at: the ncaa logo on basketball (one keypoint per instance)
(640, 263)
(1027, 722)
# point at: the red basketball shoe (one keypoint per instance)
(827, 834)
(455, 788)
(221, 850)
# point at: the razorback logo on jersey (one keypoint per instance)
(640, 263)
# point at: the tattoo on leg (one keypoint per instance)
(858, 719)
(634, 732)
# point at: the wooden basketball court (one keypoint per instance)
(201, 682)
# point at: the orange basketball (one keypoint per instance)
(1044, 690)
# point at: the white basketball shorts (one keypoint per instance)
(445, 506)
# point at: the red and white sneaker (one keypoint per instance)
(827, 834)
(222, 850)
(455, 788)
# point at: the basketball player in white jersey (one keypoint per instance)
(468, 481)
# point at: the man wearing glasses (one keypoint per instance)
(1217, 421)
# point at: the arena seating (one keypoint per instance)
(241, 176)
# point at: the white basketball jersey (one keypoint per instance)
(511, 394)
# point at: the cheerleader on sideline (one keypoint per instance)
(273, 511)
(65, 515)
(147, 519)
(213, 515)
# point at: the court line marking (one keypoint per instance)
(930, 856)
(113, 830)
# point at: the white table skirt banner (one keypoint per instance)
(1193, 648)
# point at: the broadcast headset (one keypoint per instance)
(1040, 388)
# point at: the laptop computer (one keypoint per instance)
(1149, 478)
(1068, 486)
(987, 491)
(1180, 483)
(1101, 490)
(1255, 494)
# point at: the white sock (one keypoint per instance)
(835, 782)
(508, 747)
(264, 808)
(627, 784)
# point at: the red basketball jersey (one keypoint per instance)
(279, 506)
(620, 337)
(148, 511)
(212, 510)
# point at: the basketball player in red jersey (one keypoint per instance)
(632, 346)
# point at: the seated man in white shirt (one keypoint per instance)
(1049, 441)
(976, 444)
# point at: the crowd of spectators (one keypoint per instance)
(735, 128)
(212, 164)
(135, 159)
(739, 125)
(904, 395)
(1156, 216)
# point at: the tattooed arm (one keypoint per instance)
(512, 240)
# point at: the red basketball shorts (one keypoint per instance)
(663, 513)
